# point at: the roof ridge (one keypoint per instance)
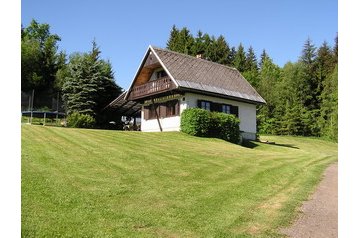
(190, 56)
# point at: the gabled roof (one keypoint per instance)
(195, 74)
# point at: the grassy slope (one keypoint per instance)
(93, 183)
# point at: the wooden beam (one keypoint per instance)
(156, 114)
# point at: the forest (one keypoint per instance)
(301, 96)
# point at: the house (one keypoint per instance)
(168, 82)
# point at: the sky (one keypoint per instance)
(124, 29)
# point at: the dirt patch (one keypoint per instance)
(319, 216)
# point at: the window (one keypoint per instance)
(166, 109)
(172, 108)
(205, 105)
(226, 108)
(161, 74)
(152, 111)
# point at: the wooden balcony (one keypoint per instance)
(151, 88)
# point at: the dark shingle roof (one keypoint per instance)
(203, 75)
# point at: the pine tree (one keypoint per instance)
(325, 66)
(263, 57)
(251, 60)
(251, 72)
(220, 51)
(335, 50)
(240, 59)
(173, 38)
(199, 44)
(231, 57)
(89, 84)
(309, 81)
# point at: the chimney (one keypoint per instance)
(199, 56)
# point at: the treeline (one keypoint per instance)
(85, 81)
(302, 96)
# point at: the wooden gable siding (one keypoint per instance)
(151, 63)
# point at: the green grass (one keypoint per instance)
(97, 183)
(41, 121)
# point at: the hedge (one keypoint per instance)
(79, 120)
(200, 122)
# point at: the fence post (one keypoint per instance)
(32, 104)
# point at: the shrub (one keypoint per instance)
(225, 126)
(79, 120)
(195, 121)
(200, 122)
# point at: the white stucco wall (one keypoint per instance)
(168, 123)
(247, 115)
(247, 112)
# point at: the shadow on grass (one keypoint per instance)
(282, 145)
(249, 144)
(252, 144)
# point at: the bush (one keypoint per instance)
(225, 126)
(79, 120)
(200, 122)
(195, 121)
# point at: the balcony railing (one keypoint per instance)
(151, 88)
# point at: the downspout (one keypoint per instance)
(156, 114)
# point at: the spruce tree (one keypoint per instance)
(263, 57)
(240, 59)
(251, 72)
(173, 39)
(309, 81)
(220, 51)
(89, 85)
(251, 60)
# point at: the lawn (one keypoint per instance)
(98, 183)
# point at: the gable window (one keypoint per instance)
(161, 74)
(226, 108)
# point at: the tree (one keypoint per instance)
(329, 106)
(263, 57)
(240, 59)
(251, 72)
(309, 81)
(89, 84)
(173, 38)
(39, 57)
(335, 50)
(270, 76)
(219, 51)
(325, 66)
(180, 41)
(199, 44)
(251, 60)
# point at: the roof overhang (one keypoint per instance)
(220, 95)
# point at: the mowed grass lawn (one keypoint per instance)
(97, 183)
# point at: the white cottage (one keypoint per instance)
(168, 82)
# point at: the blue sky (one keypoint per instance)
(124, 29)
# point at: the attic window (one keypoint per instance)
(161, 74)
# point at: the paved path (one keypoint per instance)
(320, 213)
